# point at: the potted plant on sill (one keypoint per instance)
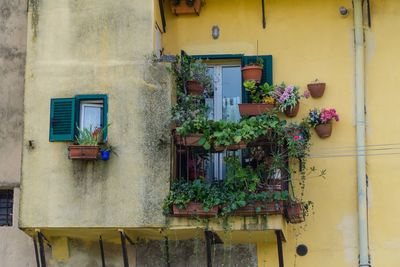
(253, 71)
(87, 147)
(287, 98)
(194, 132)
(321, 121)
(105, 151)
(316, 89)
(261, 101)
(192, 198)
(198, 80)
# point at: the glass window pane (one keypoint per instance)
(91, 116)
(231, 93)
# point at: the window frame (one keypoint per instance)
(9, 208)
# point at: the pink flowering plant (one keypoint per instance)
(322, 116)
(287, 96)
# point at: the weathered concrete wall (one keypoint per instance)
(190, 253)
(16, 248)
(95, 47)
(12, 69)
(193, 253)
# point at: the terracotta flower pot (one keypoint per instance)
(252, 72)
(194, 88)
(271, 208)
(189, 140)
(295, 213)
(194, 209)
(83, 152)
(254, 109)
(241, 145)
(324, 130)
(292, 112)
(183, 7)
(316, 89)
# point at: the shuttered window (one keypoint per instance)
(62, 119)
(267, 71)
(65, 116)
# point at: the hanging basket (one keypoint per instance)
(252, 72)
(316, 89)
(292, 112)
(295, 213)
(254, 109)
(194, 88)
(184, 7)
(324, 130)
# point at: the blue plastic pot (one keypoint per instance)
(105, 155)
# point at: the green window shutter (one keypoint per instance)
(62, 119)
(267, 71)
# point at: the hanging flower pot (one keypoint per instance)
(194, 209)
(252, 72)
(182, 7)
(324, 130)
(254, 109)
(292, 111)
(316, 89)
(194, 88)
(295, 213)
(105, 155)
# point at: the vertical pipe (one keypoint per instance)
(280, 249)
(167, 260)
(360, 133)
(124, 251)
(36, 251)
(208, 248)
(41, 250)
(103, 261)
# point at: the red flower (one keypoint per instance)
(296, 137)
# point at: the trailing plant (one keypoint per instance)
(298, 140)
(188, 108)
(259, 93)
(287, 96)
(185, 69)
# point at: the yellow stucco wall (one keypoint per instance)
(308, 40)
(95, 47)
(382, 69)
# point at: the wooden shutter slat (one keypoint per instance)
(62, 119)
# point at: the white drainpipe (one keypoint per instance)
(360, 131)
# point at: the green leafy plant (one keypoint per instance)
(259, 62)
(259, 93)
(88, 137)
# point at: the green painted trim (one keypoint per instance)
(66, 136)
(218, 56)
